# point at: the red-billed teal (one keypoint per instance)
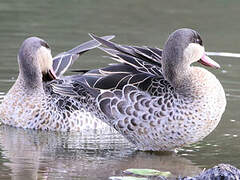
(156, 98)
(31, 102)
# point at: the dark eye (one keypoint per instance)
(199, 41)
(44, 44)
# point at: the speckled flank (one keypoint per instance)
(167, 121)
(41, 110)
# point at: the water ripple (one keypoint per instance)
(224, 54)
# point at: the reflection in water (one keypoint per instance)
(41, 155)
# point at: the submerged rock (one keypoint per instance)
(219, 172)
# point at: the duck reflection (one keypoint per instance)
(29, 154)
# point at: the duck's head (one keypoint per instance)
(184, 47)
(35, 61)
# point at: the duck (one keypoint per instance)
(32, 103)
(156, 98)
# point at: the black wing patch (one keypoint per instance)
(139, 66)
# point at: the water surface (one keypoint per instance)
(27, 154)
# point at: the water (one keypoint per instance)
(27, 154)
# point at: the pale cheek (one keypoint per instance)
(193, 52)
(197, 53)
(45, 59)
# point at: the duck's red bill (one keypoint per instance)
(52, 73)
(207, 61)
(49, 75)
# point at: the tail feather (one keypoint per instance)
(149, 55)
(65, 59)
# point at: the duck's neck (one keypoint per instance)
(180, 77)
(30, 74)
(30, 80)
